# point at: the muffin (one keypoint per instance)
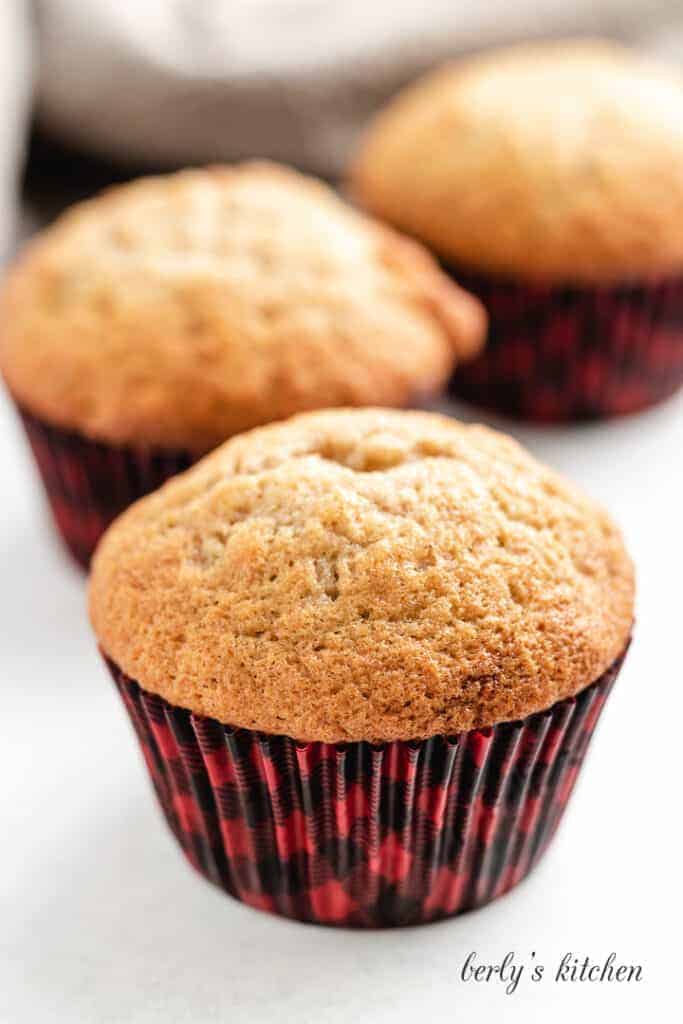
(549, 177)
(153, 322)
(364, 652)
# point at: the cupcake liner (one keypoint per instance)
(89, 483)
(359, 834)
(575, 353)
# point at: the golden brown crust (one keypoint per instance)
(365, 574)
(557, 161)
(177, 311)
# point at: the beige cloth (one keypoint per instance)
(177, 81)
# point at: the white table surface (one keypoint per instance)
(102, 921)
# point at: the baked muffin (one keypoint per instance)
(549, 177)
(153, 322)
(364, 652)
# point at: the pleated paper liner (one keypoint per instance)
(574, 353)
(89, 483)
(359, 834)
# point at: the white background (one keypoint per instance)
(102, 921)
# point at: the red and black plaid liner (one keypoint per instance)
(573, 353)
(359, 834)
(89, 483)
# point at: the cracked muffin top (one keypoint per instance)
(364, 575)
(176, 311)
(556, 161)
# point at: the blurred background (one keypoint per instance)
(94, 91)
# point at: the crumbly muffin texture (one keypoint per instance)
(176, 311)
(364, 575)
(553, 161)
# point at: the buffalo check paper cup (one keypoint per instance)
(89, 483)
(360, 834)
(574, 353)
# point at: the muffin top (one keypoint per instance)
(364, 575)
(561, 162)
(178, 310)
